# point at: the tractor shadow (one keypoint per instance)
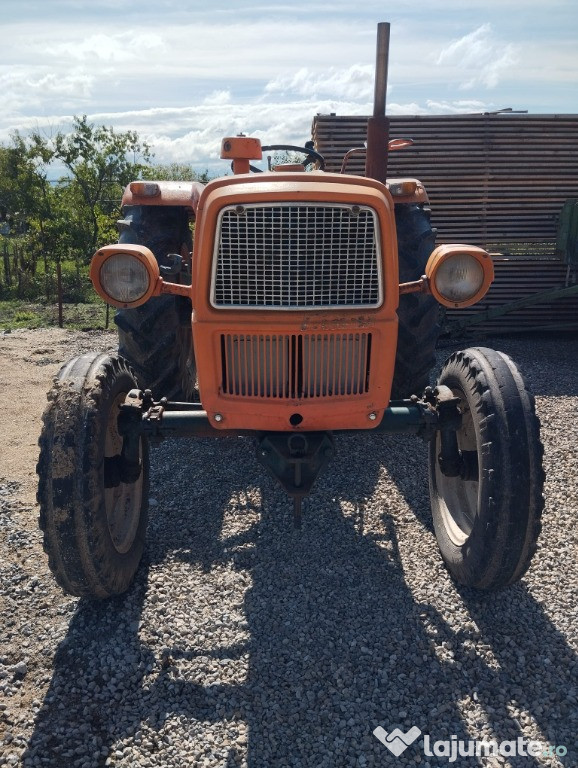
(533, 668)
(335, 642)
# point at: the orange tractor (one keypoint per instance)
(307, 305)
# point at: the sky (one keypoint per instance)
(183, 74)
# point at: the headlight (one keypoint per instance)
(124, 278)
(124, 275)
(459, 278)
(459, 275)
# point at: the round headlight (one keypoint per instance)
(126, 275)
(459, 275)
(459, 278)
(124, 278)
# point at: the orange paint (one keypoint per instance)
(144, 255)
(283, 369)
(176, 193)
(241, 149)
(444, 252)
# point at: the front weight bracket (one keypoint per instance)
(295, 460)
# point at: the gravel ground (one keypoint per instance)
(246, 643)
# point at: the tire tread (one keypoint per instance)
(512, 476)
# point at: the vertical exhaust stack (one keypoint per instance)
(378, 125)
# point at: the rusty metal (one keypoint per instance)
(415, 286)
(497, 181)
(392, 146)
(378, 125)
(381, 68)
(350, 153)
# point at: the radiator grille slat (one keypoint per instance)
(293, 256)
(296, 366)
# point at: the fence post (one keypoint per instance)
(59, 288)
(7, 272)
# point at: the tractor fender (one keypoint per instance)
(184, 194)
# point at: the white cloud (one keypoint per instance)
(217, 98)
(193, 134)
(31, 88)
(119, 47)
(185, 81)
(457, 107)
(355, 82)
(478, 59)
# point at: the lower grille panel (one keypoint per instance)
(295, 366)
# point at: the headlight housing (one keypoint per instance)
(459, 275)
(124, 275)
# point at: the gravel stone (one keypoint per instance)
(246, 643)
(19, 670)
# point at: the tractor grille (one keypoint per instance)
(295, 366)
(297, 256)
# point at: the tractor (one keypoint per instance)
(308, 305)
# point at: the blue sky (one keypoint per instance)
(184, 74)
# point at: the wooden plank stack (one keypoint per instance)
(495, 180)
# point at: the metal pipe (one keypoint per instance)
(186, 423)
(407, 418)
(401, 416)
(378, 125)
(381, 69)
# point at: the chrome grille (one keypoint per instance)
(295, 366)
(297, 256)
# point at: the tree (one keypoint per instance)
(62, 222)
(174, 172)
(23, 211)
(99, 162)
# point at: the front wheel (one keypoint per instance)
(94, 523)
(487, 521)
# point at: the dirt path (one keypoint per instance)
(30, 360)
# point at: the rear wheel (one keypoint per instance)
(156, 338)
(418, 314)
(487, 522)
(94, 524)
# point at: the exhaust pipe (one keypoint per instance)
(378, 125)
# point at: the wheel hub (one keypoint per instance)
(122, 499)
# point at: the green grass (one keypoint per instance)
(23, 314)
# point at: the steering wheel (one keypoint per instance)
(313, 156)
